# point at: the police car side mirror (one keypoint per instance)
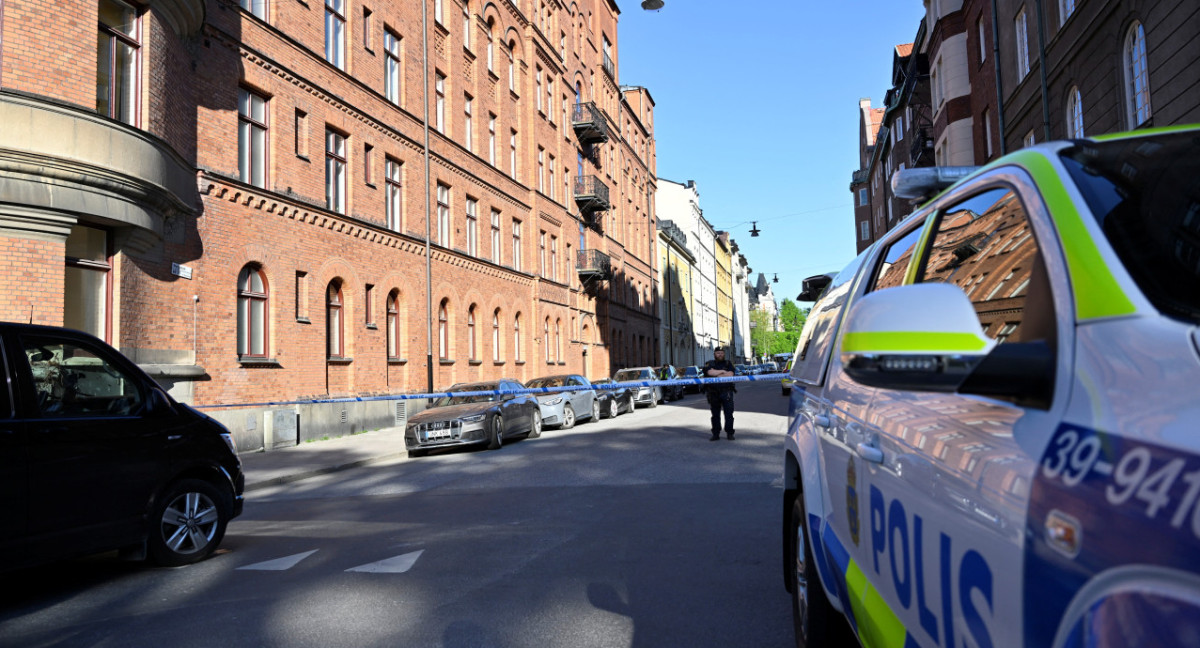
(923, 337)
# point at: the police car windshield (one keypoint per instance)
(1144, 193)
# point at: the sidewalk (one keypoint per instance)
(274, 467)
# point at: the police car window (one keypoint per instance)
(6, 399)
(893, 264)
(985, 246)
(71, 380)
(812, 351)
(1145, 193)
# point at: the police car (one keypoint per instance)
(994, 430)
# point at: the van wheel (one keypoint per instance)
(813, 618)
(188, 523)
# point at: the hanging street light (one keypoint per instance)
(652, 5)
(753, 228)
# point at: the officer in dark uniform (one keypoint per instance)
(720, 395)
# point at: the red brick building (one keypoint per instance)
(269, 200)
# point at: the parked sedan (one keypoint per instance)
(490, 417)
(613, 402)
(691, 372)
(564, 408)
(649, 396)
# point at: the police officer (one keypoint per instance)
(720, 395)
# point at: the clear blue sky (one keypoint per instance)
(758, 103)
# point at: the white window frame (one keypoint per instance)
(1021, 28)
(443, 215)
(1074, 113)
(1137, 76)
(335, 33)
(472, 226)
(391, 66)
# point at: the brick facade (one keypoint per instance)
(218, 224)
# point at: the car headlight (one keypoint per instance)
(473, 419)
(228, 439)
(553, 401)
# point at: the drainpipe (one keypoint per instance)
(428, 255)
(1042, 65)
(999, 84)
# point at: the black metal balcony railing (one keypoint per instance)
(609, 68)
(589, 123)
(591, 194)
(593, 264)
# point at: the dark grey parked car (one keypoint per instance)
(613, 402)
(490, 417)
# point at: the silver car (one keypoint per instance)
(489, 417)
(564, 408)
(650, 396)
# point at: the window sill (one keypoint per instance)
(339, 360)
(303, 320)
(373, 326)
(371, 185)
(562, 364)
(397, 361)
(519, 362)
(475, 363)
(498, 363)
(445, 363)
(258, 362)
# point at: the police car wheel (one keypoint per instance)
(495, 433)
(811, 612)
(568, 417)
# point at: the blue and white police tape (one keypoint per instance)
(496, 392)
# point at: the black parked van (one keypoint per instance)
(95, 456)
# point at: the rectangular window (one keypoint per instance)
(495, 237)
(552, 183)
(301, 134)
(492, 139)
(516, 253)
(538, 88)
(987, 133)
(542, 267)
(301, 296)
(368, 164)
(1030, 139)
(335, 171)
(87, 287)
(472, 227)
(335, 33)
(391, 66)
(117, 61)
(982, 40)
(550, 98)
(443, 215)
(468, 124)
(1022, 29)
(369, 304)
(512, 158)
(256, 7)
(367, 30)
(862, 198)
(541, 175)
(554, 258)
(437, 12)
(252, 138)
(439, 112)
(392, 191)
(864, 230)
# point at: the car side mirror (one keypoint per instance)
(812, 287)
(157, 404)
(922, 337)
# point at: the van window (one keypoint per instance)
(70, 379)
(812, 351)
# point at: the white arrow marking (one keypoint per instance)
(394, 565)
(280, 564)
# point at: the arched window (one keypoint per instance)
(393, 324)
(546, 339)
(443, 331)
(1137, 77)
(334, 321)
(496, 336)
(252, 313)
(1074, 113)
(512, 65)
(491, 45)
(472, 341)
(517, 338)
(558, 340)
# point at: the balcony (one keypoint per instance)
(593, 264)
(591, 194)
(609, 68)
(589, 124)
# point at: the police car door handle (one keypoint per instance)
(870, 453)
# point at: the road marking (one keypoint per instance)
(280, 564)
(394, 565)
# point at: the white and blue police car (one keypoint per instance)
(994, 429)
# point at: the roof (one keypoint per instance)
(904, 50)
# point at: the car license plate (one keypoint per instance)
(440, 430)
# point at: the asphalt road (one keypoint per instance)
(630, 532)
